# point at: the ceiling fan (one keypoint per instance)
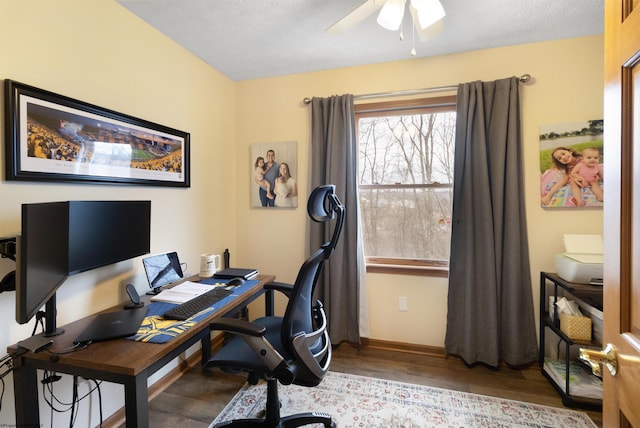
(425, 13)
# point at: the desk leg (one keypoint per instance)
(25, 386)
(205, 349)
(269, 303)
(136, 402)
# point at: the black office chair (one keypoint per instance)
(294, 348)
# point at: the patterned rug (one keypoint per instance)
(358, 401)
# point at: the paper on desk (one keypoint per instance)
(182, 292)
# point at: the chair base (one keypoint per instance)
(291, 421)
(272, 417)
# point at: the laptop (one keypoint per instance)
(113, 325)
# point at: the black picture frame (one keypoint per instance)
(51, 137)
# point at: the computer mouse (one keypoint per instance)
(236, 281)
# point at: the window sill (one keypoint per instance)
(403, 269)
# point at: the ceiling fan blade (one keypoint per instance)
(355, 16)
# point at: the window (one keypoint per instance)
(406, 184)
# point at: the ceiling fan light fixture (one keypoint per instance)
(391, 14)
(429, 12)
(419, 4)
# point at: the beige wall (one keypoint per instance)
(100, 53)
(566, 86)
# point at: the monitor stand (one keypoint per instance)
(50, 313)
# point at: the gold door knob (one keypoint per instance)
(594, 358)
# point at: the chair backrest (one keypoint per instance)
(304, 332)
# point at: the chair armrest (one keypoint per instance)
(234, 325)
(253, 335)
(285, 289)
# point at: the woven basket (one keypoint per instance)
(578, 328)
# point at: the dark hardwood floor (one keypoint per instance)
(197, 397)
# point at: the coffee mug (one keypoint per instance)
(209, 265)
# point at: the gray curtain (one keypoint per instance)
(490, 304)
(334, 160)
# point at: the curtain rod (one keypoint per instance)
(523, 79)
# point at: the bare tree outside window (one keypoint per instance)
(406, 176)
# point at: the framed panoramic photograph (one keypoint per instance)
(274, 175)
(571, 164)
(51, 137)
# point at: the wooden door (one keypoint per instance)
(622, 211)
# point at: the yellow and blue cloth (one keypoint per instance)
(155, 329)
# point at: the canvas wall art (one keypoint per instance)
(571, 164)
(274, 175)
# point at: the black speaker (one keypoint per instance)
(135, 298)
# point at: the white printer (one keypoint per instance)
(582, 260)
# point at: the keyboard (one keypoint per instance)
(191, 307)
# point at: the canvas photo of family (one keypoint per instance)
(274, 169)
(571, 164)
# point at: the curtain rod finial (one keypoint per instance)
(525, 78)
(307, 100)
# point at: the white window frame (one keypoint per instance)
(436, 268)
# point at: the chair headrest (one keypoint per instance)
(322, 205)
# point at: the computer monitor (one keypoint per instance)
(59, 239)
(162, 270)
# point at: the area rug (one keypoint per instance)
(358, 401)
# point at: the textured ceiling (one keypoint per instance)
(249, 39)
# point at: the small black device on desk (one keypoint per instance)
(234, 282)
(134, 297)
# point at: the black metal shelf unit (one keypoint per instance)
(590, 294)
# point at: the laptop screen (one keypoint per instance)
(162, 269)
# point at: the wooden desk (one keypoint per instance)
(119, 361)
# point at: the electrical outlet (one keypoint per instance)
(85, 383)
(402, 304)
